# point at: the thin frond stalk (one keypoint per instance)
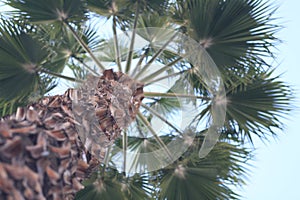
(87, 67)
(139, 63)
(175, 95)
(157, 138)
(116, 44)
(125, 144)
(161, 118)
(84, 46)
(161, 70)
(106, 160)
(130, 53)
(60, 76)
(163, 77)
(154, 57)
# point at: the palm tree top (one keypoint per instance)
(200, 68)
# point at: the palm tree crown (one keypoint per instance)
(200, 66)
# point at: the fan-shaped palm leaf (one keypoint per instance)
(206, 178)
(25, 64)
(49, 11)
(123, 8)
(231, 31)
(20, 58)
(115, 186)
(257, 107)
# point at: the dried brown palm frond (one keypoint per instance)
(49, 147)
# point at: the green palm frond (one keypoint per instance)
(108, 8)
(115, 186)
(122, 7)
(257, 107)
(166, 106)
(137, 187)
(69, 45)
(160, 6)
(124, 10)
(25, 62)
(55, 44)
(57, 62)
(142, 158)
(64, 46)
(116, 8)
(91, 37)
(20, 58)
(234, 31)
(65, 39)
(102, 7)
(205, 178)
(102, 190)
(7, 107)
(50, 11)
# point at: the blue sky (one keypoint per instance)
(275, 172)
(275, 175)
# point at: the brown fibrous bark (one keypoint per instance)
(49, 147)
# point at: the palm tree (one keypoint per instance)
(193, 81)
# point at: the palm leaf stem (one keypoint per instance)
(141, 134)
(130, 53)
(164, 77)
(139, 63)
(161, 118)
(106, 160)
(84, 46)
(116, 44)
(157, 138)
(87, 67)
(125, 144)
(158, 72)
(154, 57)
(60, 75)
(175, 95)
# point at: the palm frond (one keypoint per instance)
(115, 186)
(206, 178)
(49, 11)
(20, 58)
(124, 10)
(231, 31)
(256, 108)
(46, 84)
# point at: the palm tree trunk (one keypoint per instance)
(49, 147)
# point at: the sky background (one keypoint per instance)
(275, 171)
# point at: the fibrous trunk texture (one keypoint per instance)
(49, 147)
